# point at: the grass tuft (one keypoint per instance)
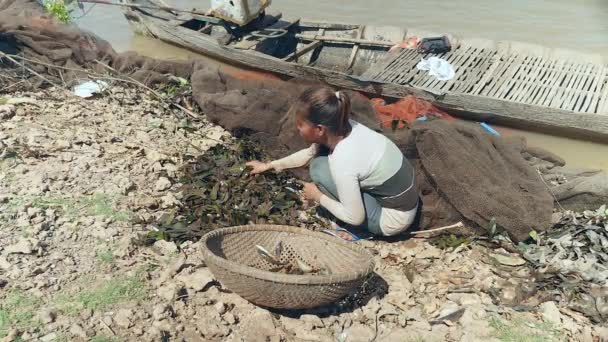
(523, 330)
(113, 292)
(17, 310)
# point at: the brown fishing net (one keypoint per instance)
(25, 28)
(483, 177)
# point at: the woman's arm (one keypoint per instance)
(350, 208)
(296, 159)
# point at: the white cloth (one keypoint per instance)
(440, 68)
(364, 158)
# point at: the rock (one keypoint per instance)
(123, 318)
(32, 212)
(198, 280)
(168, 292)
(509, 295)
(24, 246)
(220, 307)
(154, 156)
(78, 331)
(47, 315)
(586, 335)
(174, 268)
(301, 330)
(11, 336)
(360, 333)
(85, 314)
(229, 318)
(164, 325)
(162, 184)
(161, 311)
(313, 321)
(107, 320)
(165, 247)
(259, 326)
(556, 217)
(211, 330)
(124, 247)
(49, 337)
(4, 264)
(422, 325)
(601, 332)
(464, 299)
(509, 260)
(7, 111)
(550, 312)
(169, 201)
(138, 331)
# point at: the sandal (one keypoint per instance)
(342, 234)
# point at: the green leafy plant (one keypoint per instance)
(58, 9)
(218, 191)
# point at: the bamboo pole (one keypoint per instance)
(345, 40)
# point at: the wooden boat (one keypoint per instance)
(514, 84)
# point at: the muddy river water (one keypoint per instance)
(572, 24)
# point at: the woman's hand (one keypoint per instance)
(258, 167)
(311, 192)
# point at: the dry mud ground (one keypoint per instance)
(81, 180)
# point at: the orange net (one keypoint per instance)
(406, 111)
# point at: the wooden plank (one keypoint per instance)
(467, 68)
(585, 88)
(487, 75)
(536, 85)
(303, 50)
(398, 66)
(549, 84)
(560, 83)
(353, 54)
(562, 96)
(410, 73)
(520, 92)
(327, 26)
(572, 94)
(475, 74)
(345, 40)
(597, 90)
(406, 69)
(518, 79)
(249, 42)
(508, 76)
(497, 77)
(525, 78)
(454, 59)
(602, 108)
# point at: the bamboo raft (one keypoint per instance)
(514, 84)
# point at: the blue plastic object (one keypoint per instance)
(489, 129)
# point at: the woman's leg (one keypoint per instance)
(373, 210)
(321, 176)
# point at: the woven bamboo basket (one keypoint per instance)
(231, 255)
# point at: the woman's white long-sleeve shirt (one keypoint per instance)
(364, 158)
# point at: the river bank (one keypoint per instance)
(83, 179)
